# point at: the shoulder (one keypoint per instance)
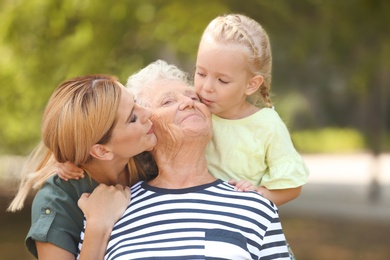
(61, 196)
(250, 199)
(269, 115)
(55, 215)
(139, 186)
(56, 187)
(271, 123)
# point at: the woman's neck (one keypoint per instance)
(108, 172)
(184, 168)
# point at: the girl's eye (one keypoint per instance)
(223, 81)
(201, 74)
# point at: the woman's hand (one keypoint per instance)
(68, 170)
(102, 209)
(105, 205)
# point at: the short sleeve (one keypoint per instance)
(39, 229)
(55, 216)
(286, 168)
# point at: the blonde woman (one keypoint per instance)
(94, 123)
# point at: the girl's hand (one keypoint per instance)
(105, 205)
(68, 171)
(243, 185)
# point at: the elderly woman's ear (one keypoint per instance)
(101, 152)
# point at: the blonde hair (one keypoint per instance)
(80, 113)
(246, 33)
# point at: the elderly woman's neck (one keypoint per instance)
(181, 168)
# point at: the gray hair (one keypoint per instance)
(155, 72)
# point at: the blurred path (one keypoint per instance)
(339, 186)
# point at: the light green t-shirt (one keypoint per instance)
(257, 148)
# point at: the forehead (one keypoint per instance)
(235, 51)
(167, 88)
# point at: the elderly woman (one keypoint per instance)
(185, 212)
(93, 122)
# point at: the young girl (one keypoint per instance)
(250, 141)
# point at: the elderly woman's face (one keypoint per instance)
(177, 110)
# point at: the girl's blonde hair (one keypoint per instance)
(80, 113)
(244, 32)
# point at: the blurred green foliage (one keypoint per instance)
(330, 68)
(328, 140)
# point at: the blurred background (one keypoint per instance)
(331, 86)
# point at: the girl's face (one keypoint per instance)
(133, 132)
(222, 78)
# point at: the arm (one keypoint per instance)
(49, 251)
(102, 209)
(280, 197)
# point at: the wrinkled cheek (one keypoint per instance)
(162, 128)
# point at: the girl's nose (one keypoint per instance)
(208, 85)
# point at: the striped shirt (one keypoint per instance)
(202, 222)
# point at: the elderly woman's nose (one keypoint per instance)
(186, 102)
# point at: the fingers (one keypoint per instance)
(106, 204)
(232, 182)
(244, 185)
(82, 200)
(68, 170)
(62, 172)
(119, 187)
(125, 190)
(74, 170)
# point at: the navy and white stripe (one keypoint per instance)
(207, 221)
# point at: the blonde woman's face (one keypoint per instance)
(133, 132)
